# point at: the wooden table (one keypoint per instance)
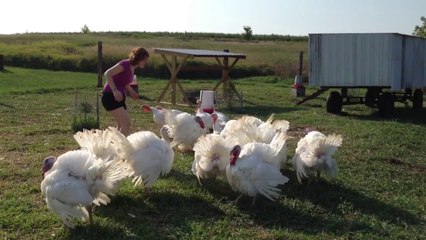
(222, 59)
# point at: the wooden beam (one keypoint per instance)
(173, 79)
(99, 68)
(181, 64)
(236, 92)
(233, 63)
(313, 95)
(218, 84)
(1, 62)
(183, 93)
(300, 63)
(219, 62)
(164, 91)
(169, 66)
(177, 81)
(174, 70)
(225, 80)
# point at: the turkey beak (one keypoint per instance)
(146, 108)
(199, 121)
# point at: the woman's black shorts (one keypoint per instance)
(109, 103)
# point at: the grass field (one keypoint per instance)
(79, 51)
(379, 192)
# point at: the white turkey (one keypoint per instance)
(254, 129)
(207, 119)
(147, 156)
(76, 180)
(314, 155)
(264, 132)
(158, 113)
(274, 152)
(96, 141)
(184, 129)
(219, 122)
(211, 156)
(251, 175)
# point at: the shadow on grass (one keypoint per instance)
(167, 214)
(275, 215)
(337, 199)
(6, 71)
(96, 232)
(146, 98)
(6, 105)
(402, 115)
(161, 215)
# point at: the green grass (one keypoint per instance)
(379, 192)
(116, 45)
(79, 51)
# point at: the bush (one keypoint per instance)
(81, 123)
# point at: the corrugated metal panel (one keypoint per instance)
(396, 55)
(359, 60)
(414, 53)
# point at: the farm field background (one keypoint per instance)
(277, 55)
(379, 191)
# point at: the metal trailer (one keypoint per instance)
(373, 61)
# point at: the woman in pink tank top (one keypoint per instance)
(119, 77)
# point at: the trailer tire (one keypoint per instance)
(334, 102)
(417, 99)
(386, 105)
(371, 96)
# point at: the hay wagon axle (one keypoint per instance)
(375, 97)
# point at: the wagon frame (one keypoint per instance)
(390, 66)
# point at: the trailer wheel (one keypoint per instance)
(417, 99)
(334, 102)
(386, 105)
(371, 96)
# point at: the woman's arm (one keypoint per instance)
(132, 92)
(116, 69)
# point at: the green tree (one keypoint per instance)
(248, 33)
(420, 30)
(85, 29)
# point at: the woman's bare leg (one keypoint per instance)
(122, 118)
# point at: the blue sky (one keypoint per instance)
(294, 17)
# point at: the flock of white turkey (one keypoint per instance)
(248, 152)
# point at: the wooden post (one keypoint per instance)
(97, 109)
(174, 62)
(301, 63)
(1, 63)
(99, 64)
(225, 80)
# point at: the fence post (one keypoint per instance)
(298, 90)
(99, 64)
(1, 62)
(301, 63)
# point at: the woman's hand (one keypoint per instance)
(117, 95)
(135, 96)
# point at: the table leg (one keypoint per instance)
(174, 68)
(227, 85)
(174, 61)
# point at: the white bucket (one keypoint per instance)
(207, 100)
